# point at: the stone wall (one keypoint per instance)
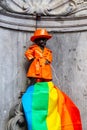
(69, 68)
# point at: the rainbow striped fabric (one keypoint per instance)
(46, 107)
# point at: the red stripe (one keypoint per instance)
(69, 113)
(74, 112)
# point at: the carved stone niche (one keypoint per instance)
(45, 7)
(55, 15)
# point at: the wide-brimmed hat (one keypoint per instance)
(40, 33)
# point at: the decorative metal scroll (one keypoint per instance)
(16, 118)
(45, 7)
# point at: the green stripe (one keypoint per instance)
(40, 106)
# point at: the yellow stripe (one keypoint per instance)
(53, 119)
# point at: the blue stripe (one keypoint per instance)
(27, 106)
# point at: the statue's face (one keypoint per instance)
(41, 42)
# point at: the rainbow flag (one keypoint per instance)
(46, 107)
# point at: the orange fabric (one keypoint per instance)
(64, 114)
(38, 68)
(69, 113)
(73, 112)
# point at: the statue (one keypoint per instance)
(40, 56)
(45, 106)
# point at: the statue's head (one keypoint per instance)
(41, 42)
(40, 34)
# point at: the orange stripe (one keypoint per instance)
(66, 122)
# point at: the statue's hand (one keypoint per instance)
(47, 62)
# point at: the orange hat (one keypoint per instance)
(40, 33)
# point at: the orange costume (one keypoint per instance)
(39, 68)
